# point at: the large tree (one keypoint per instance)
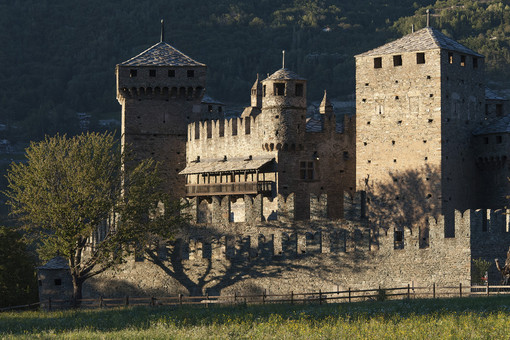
(82, 198)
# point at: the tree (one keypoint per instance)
(18, 284)
(68, 187)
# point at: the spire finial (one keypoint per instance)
(428, 17)
(162, 30)
(283, 59)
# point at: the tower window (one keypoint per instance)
(191, 73)
(462, 60)
(450, 57)
(133, 73)
(397, 60)
(420, 58)
(378, 62)
(264, 90)
(152, 73)
(58, 282)
(306, 170)
(475, 62)
(499, 109)
(171, 73)
(279, 89)
(209, 108)
(499, 139)
(299, 90)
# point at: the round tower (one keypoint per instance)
(283, 115)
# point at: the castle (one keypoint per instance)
(409, 190)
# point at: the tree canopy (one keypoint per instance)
(69, 188)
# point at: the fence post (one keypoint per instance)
(349, 294)
(408, 291)
(291, 297)
(180, 299)
(101, 302)
(434, 290)
(49, 303)
(264, 297)
(487, 288)
(153, 301)
(127, 301)
(207, 299)
(460, 289)
(320, 297)
(235, 298)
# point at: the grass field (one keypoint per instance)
(468, 318)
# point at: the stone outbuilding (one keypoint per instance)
(55, 282)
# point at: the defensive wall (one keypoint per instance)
(284, 255)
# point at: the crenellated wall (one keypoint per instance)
(306, 256)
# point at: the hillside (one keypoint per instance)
(58, 57)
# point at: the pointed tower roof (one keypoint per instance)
(256, 84)
(326, 107)
(284, 74)
(427, 38)
(161, 54)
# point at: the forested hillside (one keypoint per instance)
(58, 57)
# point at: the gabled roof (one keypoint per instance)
(425, 39)
(491, 95)
(161, 54)
(58, 262)
(500, 125)
(284, 74)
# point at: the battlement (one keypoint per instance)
(273, 240)
(209, 130)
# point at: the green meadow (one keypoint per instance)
(467, 318)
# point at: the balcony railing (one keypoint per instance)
(241, 188)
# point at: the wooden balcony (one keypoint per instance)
(241, 188)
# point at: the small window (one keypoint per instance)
(299, 90)
(264, 90)
(58, 282)
(152, 73)
(378, 62)
(306, 170)
(209, 108)
(499, 109)
(475, 62)
(191, 73)
(220, 109)
(420, 58)
(133, 73)
(171, 73)
(279, 89)
(486, 140)
(397, 60)
(399, 239)
(499, 139)
(450, 57)
(462, 60)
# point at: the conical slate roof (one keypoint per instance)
(161, 54)
(425, 39)
(284, 74)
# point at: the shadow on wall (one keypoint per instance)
(405, 201)
(243, 264)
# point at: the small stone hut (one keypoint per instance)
(55, 283)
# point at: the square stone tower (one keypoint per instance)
(417, 101)
(160, 91)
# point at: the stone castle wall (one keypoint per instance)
(307, 256)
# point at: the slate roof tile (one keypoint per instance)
(425, 39)
(161, 54)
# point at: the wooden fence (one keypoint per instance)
(320, 297)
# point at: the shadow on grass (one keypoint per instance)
(141, 318)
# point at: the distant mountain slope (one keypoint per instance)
(58, 57)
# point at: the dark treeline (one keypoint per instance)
(58, 57)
